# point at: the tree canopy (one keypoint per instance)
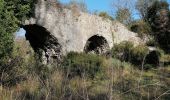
(12, 13)
(158, 16)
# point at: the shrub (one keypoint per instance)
(141, 28)
(104, 15)
(151, 42)
(138, 54)
(125, 51)
(16, 68)
(83, 64)
(122, 50)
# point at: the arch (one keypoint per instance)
(96, 44)
(153, 58)
(43, 43)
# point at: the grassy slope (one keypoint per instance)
(120, 81)
(115, 80)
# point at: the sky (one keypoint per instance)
(93, 6)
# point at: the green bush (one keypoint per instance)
(125, 51)
(141, 28)
(122, 51)
(138, 54)
(83, 64)
(151, 42)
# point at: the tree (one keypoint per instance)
(21, 9)
(141, 27)
(142, 5)
(123, 10)
(158, 16)
(12, 13)
(7, 27)
(123, 16)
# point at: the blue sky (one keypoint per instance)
(93, 5)
(104, 5)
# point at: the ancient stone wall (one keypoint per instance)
(71, 30)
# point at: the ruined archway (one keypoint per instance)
(43, 43)
(153, 58)
(96, 44)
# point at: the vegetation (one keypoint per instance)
(158, 15)
(142, 28)
(125, 51)
(124, 16)
(142, 7)
(115, 80)
(126, 75)
(12, 13)
(81, 64)
(105, 15)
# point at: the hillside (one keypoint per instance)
(68, 53)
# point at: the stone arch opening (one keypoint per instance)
(43, 43)
(153, 58)
(96, 44)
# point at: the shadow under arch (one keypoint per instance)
(153, 58)
(96, 44)
(43, 43)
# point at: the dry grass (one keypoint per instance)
(119, 81)
(115, 80)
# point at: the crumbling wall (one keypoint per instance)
(43, 43)
(70, 30)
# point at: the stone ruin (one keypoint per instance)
(55, 30)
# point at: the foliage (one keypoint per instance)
(22, 58)
(141, 27)
(158, 16)
(125, 51)
(123, 15)
(12, 65)
(7, 28)
(142, 5)
(122, 51)
(82, 76)
(83, 64)
(138, 54)
(105, 15)
(100, 78)
(122, 82)
(21, 9)
(151, 42)
(12, 12)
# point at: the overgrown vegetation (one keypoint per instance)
(76, 64)
(12, 13)
(85, 76)
(125, 51)
(104, 15)
(142, 28)
(158, 15)
(128, 75)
